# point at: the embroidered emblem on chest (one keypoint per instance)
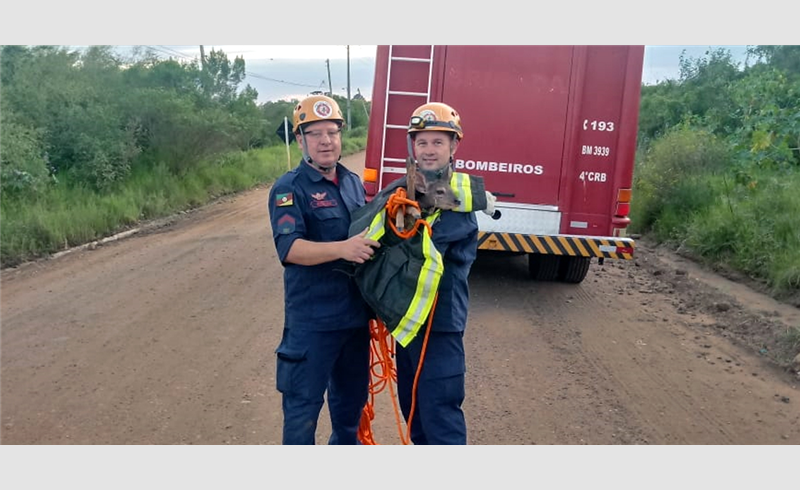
(318, 201)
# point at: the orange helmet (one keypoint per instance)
(436, 116)
(316, 108)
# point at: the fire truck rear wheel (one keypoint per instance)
(574, 269)
(544, 267)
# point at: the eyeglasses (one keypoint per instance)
(332, 134)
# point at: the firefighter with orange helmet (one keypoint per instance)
(325, 345)
(434, 134)
(427, 266)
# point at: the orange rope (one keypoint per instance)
(397, 203)
(382, 351)
(383, 374)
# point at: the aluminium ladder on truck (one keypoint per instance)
(407, 92)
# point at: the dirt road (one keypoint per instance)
(167, 337)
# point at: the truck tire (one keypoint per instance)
(544, 267)
(573, 269)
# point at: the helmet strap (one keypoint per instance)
(437, 174)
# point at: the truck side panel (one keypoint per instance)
(551, 129)
(598, 157)
(513, 105)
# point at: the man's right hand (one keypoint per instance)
(359, 248)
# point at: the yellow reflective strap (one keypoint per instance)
(426, 288)
(461, 185)
(376, 228)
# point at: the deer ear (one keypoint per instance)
(420, 184)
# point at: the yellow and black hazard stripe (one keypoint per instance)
(578, 246)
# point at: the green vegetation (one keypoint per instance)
(93, 144)
(718, 165)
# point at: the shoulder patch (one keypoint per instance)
(286, 224)
(285, 199)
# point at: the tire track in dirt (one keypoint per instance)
(629, 358)
(541, 368)
(671, 366)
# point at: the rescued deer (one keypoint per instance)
(430, 194)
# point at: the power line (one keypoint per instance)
(255, 75)
(166, 50)
(170, 51)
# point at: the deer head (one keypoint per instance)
(435, 193)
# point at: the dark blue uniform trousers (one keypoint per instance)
(438, 417)
(309, 363)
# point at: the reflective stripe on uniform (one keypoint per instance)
(425, 293)
(377, 227)
(460, 183)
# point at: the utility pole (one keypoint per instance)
(330, 85)
(202, 58)
(349, 123)
(363, 103)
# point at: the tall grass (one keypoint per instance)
(671, 181)
(754, 229)
(67, 215)
(686, 194)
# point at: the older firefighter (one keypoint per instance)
(326, 341)
(439, 264)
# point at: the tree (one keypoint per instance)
(705, 83)
(220, 78)
(784, 58)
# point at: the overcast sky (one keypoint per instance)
(286, 72)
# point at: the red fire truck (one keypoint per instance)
(552, 129)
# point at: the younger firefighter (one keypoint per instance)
(326, 340)
(441, 265)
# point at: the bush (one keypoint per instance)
(23, 163)
(673, 180)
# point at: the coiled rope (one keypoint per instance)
(383, 373)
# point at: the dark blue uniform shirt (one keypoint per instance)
(455, 236)
(303, 204)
